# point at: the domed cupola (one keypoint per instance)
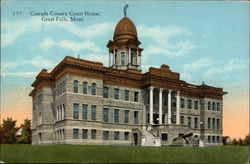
(125, 29)
(124, 51)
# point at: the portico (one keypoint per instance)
(169, 114)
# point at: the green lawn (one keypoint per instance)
(125, 154)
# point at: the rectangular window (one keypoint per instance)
(218, 139)
(213, 105)
(165, 100)
(189, 122)
(75, 111)
(136, 113)
(195, 122)
(196, 104)
(218, 106)
(213, 122)
(105, 92)
(116, 94)
(84, 133)
(209, 139)
(106, 135)
(116, 135)
(209, 105)
(182, 120)
(93, 134)
(136, 96)
(182, 103)
(174, 101)
(174, 119)
(126, 96)
(84, 111)
(218, 123)
(84, 87)
(93, 89)
(164, 136)
(213, 139)
(105, 115)
(189, 104)
(75, 133)
(93, 112)
(126, 135)
(122, 58)
(208, 122)
(126, 116)
(116, 115)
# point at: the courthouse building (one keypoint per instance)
(85, 102)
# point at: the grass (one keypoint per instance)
(124, 154)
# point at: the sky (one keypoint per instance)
(202, 40)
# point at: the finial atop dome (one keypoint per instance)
(125, 10)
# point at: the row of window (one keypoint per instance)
(215, 123)
(117, 94)
(190, 104)
(84, 111)
(189, 122)
(93, 134)
(59, 134)
(213, 105)
(84, 87)
(105, 115)
(60, 113)
(60, 88)
(214, 139)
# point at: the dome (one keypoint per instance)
(125, 29)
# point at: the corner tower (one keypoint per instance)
(124, 50)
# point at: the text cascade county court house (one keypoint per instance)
(84, 102)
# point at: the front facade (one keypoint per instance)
(84, 102)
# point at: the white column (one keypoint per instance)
(129, 55)
(114, 57)
(169, 106)
(63, 112)
(57, 114)
(151, 94)
(160, 106)
(178, 108)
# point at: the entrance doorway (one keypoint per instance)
(156, 118)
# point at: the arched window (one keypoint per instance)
(93, 88)
(75, 86)
(84, 87)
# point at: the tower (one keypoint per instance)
(124, 50)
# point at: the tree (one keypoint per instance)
(240, 142)
(26, 132)
(234, 142)
(8, 131)
(246, 141)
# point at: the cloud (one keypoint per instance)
(167, 40)
(198, 64)
(231, 65)
(97, 57)
(11, 30)
(37, 62)
(70, 45)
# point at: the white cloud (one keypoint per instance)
(38, 62)
(198, 64)
(11, 30)
(162, 34)
(231, 65)
(185, 76)
(70, 45)
(163, 40)
(97, 57)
